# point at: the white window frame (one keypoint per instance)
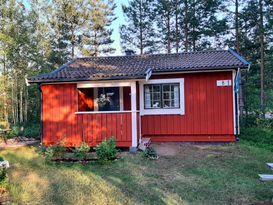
(163, 111)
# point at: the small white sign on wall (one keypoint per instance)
(223, 83)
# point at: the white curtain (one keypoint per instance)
(147, 97)
(176, 96)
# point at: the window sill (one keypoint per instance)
(162, 112)
(103, 112)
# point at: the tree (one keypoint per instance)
(97, 32)
(139, 32)
(165, 11)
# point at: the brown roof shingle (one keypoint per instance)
(135, 66)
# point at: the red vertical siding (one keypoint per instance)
(208, 111)
(61, 123)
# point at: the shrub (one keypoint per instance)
(1, 159)
(150, 153)
(81, 152)
(3, 179)
(32, 130)
(15, 131)
(106, 150)
(56, 151)
(259, 137)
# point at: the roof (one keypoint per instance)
(136, 66)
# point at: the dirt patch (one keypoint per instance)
(12, 143)
(167, 149)
(175, 148)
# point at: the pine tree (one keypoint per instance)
(139, 33)
(66, 20)
(165, 11)
(97, 32)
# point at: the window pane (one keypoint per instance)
(108, 99)
(176, 96)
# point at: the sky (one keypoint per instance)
(116, 24)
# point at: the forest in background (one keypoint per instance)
(45, 34)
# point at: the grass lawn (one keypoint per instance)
(197, 175)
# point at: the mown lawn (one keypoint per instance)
(199, 174)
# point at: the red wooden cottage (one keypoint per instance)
(166, 97)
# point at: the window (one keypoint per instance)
(162, 97)
(157, 96)
(100, 99)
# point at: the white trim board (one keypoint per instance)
(103, 84)
(104, 112)
(162, 111)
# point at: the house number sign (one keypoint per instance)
(223, 83)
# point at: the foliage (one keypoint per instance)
(255, 120)
(32, 130)
(106, 150)
(55, 151)
(3, 178)
(138, 33)
(81, 152)
(15, 131)
(97, 32)
(259, 137)
(150, 153)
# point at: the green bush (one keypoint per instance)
(32, 130)
(106, 150)
(255, 120)
(150, 153)
(3, 178)
(1, 159)
(259, 137)
(56, 151)
(15, 131)
(81, 152)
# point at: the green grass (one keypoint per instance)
(197, 175)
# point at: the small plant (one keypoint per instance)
(56, 151)
(32, 131)
(1, 159)
(106, 150)
(15, 132)
(81, 152)
(150, 153)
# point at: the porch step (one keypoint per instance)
(266, 177)
(145, 142)
(270, 165)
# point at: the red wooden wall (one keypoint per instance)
(208, 112)
(61, 123)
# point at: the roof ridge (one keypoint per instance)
(152, 54)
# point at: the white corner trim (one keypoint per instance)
(233, 98)
(162, 111)
(134, 114)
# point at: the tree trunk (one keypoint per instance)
(169, 33)
(193, 30)
(21, 105)
(261, 30)
(237, 26)
(176, 27)
(186, 27)
(6, 116)
(26, 105)
(141, 29)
